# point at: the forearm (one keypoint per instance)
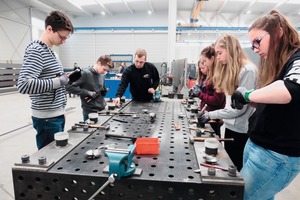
(36, 86)
(74, 89)
(275, 93)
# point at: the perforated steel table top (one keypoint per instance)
(168, 175)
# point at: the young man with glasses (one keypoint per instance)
(43, 79)
(143, 78)
(90, 86)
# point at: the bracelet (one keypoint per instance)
(247, 95)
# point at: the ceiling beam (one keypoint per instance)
(203, 19)
(280, 3)
(243, 10)
(222, 16)
(102, 5)
(125, 3)
(219, 10)
(80, 8)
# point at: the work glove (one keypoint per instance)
(240, 98)
(75, 75)
(103, 91)
(203, 118)
(195, 91)
(90, 96)
(63, 79)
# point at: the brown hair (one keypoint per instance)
(209, 52)
(106, 60)
(59, 21)
(201, 77)
(281, 47)
(141, 52)
(226, 77)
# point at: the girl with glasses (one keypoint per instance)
(272, 153)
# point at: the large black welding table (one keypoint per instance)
(67, 174)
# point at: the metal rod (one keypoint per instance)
(111, 179)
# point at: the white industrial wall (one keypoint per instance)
(85, 48)
(14, 31)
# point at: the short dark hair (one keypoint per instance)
(59, 21)
(106, 60)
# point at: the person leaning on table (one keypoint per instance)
(143, 78)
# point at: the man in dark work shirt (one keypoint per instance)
(143, 78)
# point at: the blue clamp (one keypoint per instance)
(156, 96)
(120, 161)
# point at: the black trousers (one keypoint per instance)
(235, 149)
(217, 128)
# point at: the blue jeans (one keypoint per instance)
(85, 117)
(266, 172)
(46, 128)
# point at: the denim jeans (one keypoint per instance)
(46, 128)
(85, 117)
(266, 172)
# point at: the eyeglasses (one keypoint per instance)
(62, 37)
(256, 42)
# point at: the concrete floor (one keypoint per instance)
(17, 137)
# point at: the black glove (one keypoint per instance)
(195, 91)
(240, 98)
(103, 91)
(203, 118)
(90, 95)
(75, 75)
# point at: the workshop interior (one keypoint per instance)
(143, 151)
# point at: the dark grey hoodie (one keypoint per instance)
(90, 81)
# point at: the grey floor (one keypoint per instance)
(17, 137)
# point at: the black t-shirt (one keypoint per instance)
(277, 126)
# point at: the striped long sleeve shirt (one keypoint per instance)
(38, 78)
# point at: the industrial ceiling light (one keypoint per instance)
(149, 12)
(102, 13)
